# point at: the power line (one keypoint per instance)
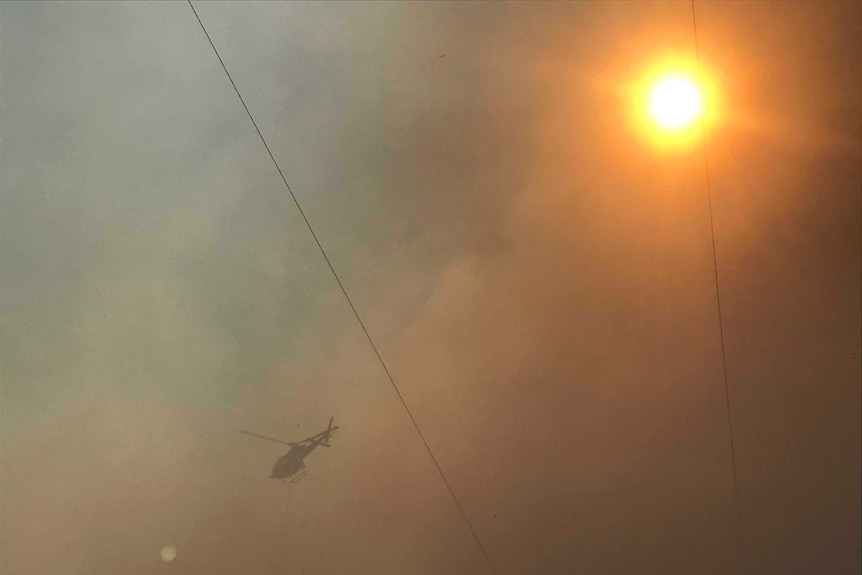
(717, 290)
(347, 297)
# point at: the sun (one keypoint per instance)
(675, 102)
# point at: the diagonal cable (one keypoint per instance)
(717, 291)
(347, 297)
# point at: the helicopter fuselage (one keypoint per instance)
(291, 462)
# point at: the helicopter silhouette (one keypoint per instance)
(292, 463)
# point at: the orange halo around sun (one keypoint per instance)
(674, 103)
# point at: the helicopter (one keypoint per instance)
(292, 463)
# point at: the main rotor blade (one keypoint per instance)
(267, 438)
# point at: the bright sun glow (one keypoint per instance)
(675, 102)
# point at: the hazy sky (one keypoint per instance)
(536, 272)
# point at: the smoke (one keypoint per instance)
(538, 280)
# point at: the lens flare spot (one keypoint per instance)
(169, 553)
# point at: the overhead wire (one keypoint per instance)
(349, 301)
(717, 290)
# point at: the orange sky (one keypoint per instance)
(535, 268)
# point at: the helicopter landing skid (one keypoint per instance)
(297, 477)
